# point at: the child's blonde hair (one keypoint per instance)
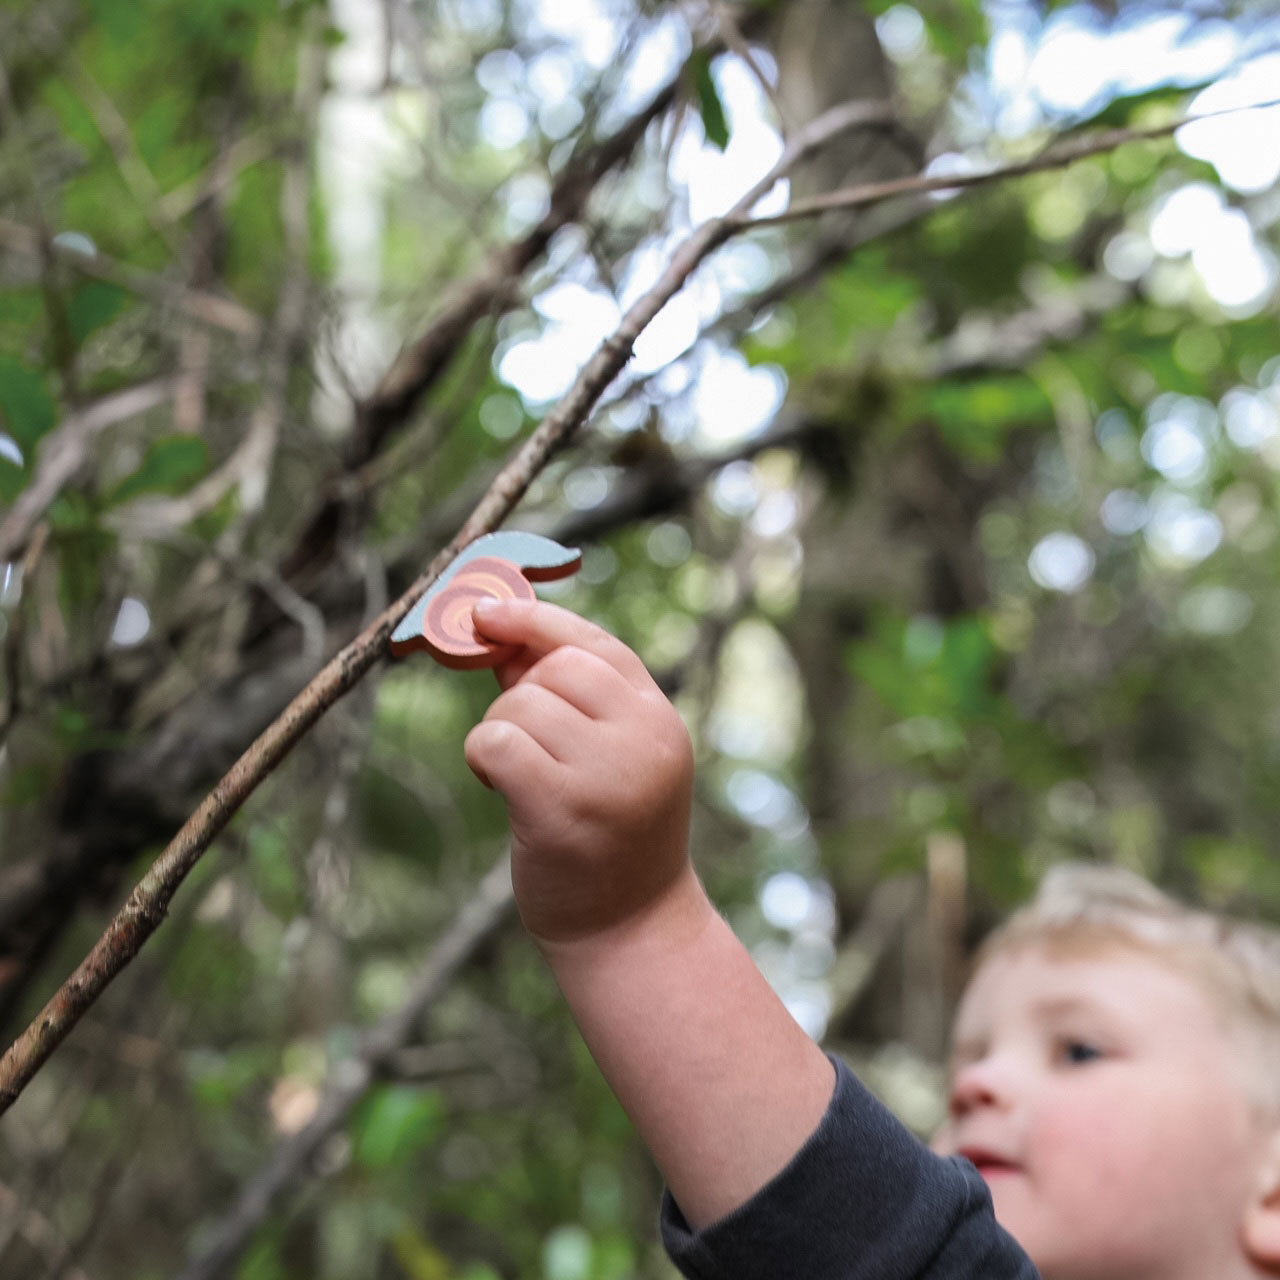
(1082, 909)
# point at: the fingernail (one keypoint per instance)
(486, 607)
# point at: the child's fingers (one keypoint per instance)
(505, 756)
(552, 721)
(584, 680)
(513, 671)
(542, 627)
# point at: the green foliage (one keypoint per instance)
(955, 27)
(714, 122)
(255, 252)
(393, 1123)
(922, 667)
(13, 479)
(27, 409)
(976, 415)
(974, 256)
(93, 305)
(170, 465)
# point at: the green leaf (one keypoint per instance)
(94, 304)
(956, 28)
(394, 1122)
(714, 121)
(13, 479)
(419, 1258)
(974, 415)
(263, 1262)
(21, 311)
(27, 410)
(171, 465)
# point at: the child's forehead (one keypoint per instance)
(1110, 975)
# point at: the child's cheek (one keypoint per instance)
(1086, 1146)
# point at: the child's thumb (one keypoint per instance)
(505, 620)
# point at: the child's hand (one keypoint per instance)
(597, 771)
(596, 768)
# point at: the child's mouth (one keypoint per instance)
(988, 1164)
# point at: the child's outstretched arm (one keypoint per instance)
(597, 771)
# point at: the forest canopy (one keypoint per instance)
(936, 481)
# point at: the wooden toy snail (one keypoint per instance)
(504, 565)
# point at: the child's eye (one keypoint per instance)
(1074, 1051)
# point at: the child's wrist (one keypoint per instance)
(664, 926)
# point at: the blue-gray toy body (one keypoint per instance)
(541, 559)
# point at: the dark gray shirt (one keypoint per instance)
(863, 1199)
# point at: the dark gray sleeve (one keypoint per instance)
(863, 1199)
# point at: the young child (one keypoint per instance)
(1117, 1079)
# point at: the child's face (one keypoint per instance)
(1105, 1107)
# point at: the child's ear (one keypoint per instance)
(1262, 1215)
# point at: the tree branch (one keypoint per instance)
(208, 308)
(420, 363)
(147, 904)
(63, 450)
(1054, 157)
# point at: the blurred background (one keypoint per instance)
(950, 525)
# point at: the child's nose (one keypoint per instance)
(979, 1084)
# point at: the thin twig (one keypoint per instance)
(63, 450)
(731, 33)
(1058, 157)
(115, 131)
(243, 154)
(208, 308)
(16, 634)
(490, 291)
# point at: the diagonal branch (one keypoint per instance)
(146, 906)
